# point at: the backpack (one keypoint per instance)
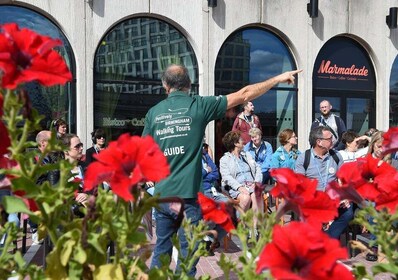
(307, 158)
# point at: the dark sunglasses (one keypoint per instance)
(99, 137)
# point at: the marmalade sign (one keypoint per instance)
(327, 68)
(330, 74)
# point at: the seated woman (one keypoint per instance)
(261, 151)
(285, 156)
(240, 174)
(351, 141)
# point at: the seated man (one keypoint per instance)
(321, 163)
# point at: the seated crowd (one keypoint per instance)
(244, 168)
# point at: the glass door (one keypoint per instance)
(358, 114)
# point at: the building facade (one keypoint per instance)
(118, 49)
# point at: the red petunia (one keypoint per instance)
(390, 142)
(301, 251)
(215, 212)
(1, 104)
(349, 180)
(387, 197)
(5, 140)
(27, 56)
(301, 196)
(369, 178)
(125, 163)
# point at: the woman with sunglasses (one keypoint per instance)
(98, 138)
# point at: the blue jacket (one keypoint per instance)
(209, 177)
(281, 158)
(264, 155)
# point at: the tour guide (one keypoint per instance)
(178, 124)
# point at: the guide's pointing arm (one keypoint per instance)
(253, 91)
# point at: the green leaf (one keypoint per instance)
(66, 252)
(95, 241)
(385, 267)
(25, 184)
(14, 204)
(80, 255)
(109, 271)
(54, 269)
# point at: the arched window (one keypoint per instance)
(253, 55)
(52, 102)
(344, 75)
(127, 71)
(394, 94)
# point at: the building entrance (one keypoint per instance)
(344, 75)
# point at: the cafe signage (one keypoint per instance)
(343, 64)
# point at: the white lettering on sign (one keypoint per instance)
(174, 151)
(115, 122)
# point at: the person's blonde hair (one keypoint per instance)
(376, 137)
(255, 131)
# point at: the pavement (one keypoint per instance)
(206, 266)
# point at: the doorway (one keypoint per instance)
(358, 113)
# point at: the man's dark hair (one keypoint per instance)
(317, 133)
(177, 77)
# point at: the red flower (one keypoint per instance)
(301, 196)
(300, 251)
(5, 141)
(350, 179)
(215, 212)
(390, 142)
(369, 178)
(386, 189)
(1, 104)
(126, 162)
(27, 56)
(371, 167)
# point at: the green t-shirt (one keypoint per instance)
(177, 124)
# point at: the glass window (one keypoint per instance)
(394, 94)
(126, 87)
(254, 55)
(52, 102)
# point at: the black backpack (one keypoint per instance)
(307, 158)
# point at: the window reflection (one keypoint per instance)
(248, 56)
(52, 102)
(128, 66)
(394, 94)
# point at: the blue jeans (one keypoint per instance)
(221, 233)
(165, 229)
(12, 217)
(340, 223)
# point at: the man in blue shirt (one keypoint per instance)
(322, 164)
